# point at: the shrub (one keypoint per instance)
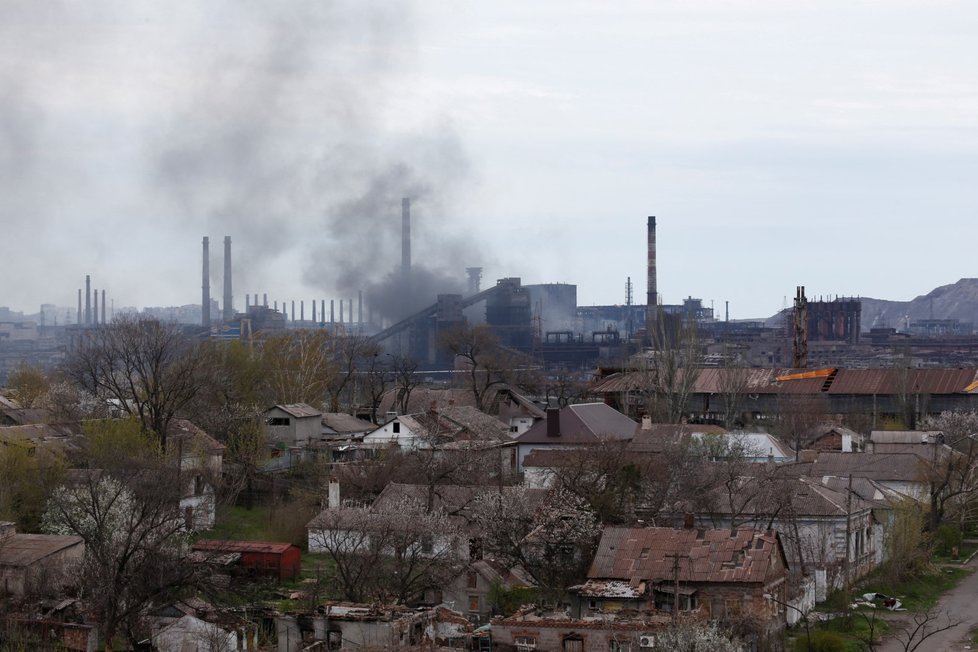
(822, 641)
(947, 538)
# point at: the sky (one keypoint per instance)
(831, 144)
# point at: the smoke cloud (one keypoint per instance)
(275, 124)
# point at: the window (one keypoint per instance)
(525, 643)
(472, 580)
(198, 485)
(574, 643)
(474, 603)
(279, 421)
(621, 646)
(644, 554)
(396, 427)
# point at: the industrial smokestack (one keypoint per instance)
(332, 312)
(264, 299)
(228, 308)
(359, 307)
(88, 299)
(314, 311)
(322, 311)
(653, 298)
(341, 311)
(78, 316)
(205, 287)
(95, 310)
(406, 239)
(103, 306)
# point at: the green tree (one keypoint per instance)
(29, 385)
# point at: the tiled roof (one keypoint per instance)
(882, 467)
(648, 554)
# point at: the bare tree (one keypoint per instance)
(922, 626)
(131, 540)
(488, 364)
(150, 369)
(952, 471)
(350, 354)
(299, 366)
(406, 378)
(552, 539)
(394, 553)
(670, 371)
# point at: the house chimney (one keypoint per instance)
(228, 310)
(553, 422)
(7, 529)
(689, 521)
(205, 286)
(646, 422)
(333, 495)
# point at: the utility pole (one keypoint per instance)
(675, 578)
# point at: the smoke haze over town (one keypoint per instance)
(822, 144)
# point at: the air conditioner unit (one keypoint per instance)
(647, 641)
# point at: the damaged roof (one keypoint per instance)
(657, 554)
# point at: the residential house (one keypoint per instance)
(292, 426)
(472, 590)
(192, 633)
(582, 425)
(514, 410)
(643, 580)
(36, 563)
(201, 466)
(342, 426)
(832, 437)
(346, 626)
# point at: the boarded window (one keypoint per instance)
(573, 644)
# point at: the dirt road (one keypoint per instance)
(960, 603)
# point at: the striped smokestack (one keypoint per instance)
(228, 310)
(653, 298)
(205, 287)
(406, 239)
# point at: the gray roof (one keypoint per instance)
(299, 410)
(882, 467)
(585, 423)
(343, 423)
(21, 550)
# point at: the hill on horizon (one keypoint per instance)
(954, 301)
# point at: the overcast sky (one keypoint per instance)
(831, 144)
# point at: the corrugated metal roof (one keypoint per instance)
(273, 547)
(845, 381)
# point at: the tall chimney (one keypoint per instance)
(322, 310)
(314, 311)
(302, 311)
(406, 240)
(103, 306)
(78, 317)
(332, 312)
(359, 307)
(351, 311)
(228, 309)
(88, 299)
(341, 311)
(653, 298)
(205, 286)
(264, 299)
(95, 309)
